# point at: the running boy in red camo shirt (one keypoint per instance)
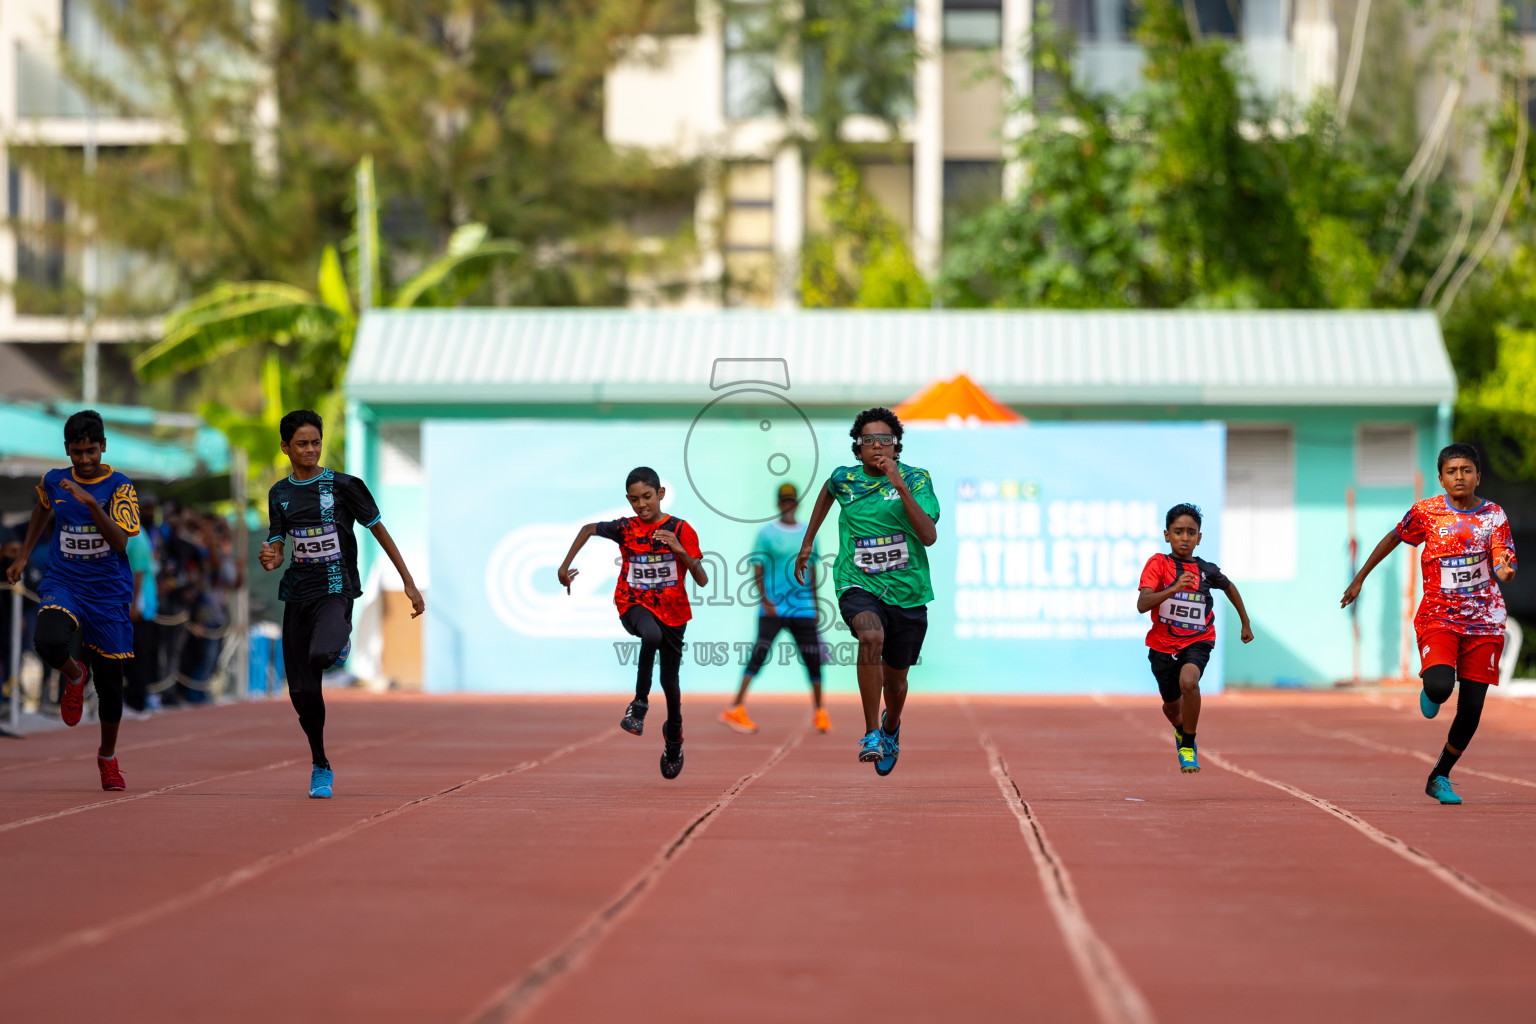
(1176, 589)
(1460, 624)
(656, 550)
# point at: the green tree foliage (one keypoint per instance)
(1190, 192)
(859, 58)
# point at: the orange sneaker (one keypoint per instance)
(111, 774)
(72, 700)
(738, 719)
(822, 722)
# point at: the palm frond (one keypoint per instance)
(247, 314)
(453, 265)
(333, 283)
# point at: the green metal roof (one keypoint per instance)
(1024, 358)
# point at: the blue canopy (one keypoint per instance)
(36, 432)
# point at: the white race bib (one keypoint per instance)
(651, 572)
(82, 542)
(313, 544)
(881, 554)
(1184, 610)
(1464, 573)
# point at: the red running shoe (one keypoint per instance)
(111, 775)
(72, 701)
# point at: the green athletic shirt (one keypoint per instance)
(876, 548)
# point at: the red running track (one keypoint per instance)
(523, 860)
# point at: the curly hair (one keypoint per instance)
(879, 414)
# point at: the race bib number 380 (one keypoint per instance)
(1464, 573)
(313, 544)
(1184, 610)
(881, 554)
(82, 542)
(650, 572)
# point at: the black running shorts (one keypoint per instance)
(904, 627)
(1165, 667)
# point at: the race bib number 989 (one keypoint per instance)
(1463, 573)
(315, 544)
(82, 542)
(881, 554)
(649, 572)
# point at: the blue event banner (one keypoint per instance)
(1043, 532)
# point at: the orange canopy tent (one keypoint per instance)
(958, 401)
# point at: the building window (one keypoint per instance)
(749, 87)
(973, 24)
(970, 186)
(1258, 528)
(400, 454)
(747, 234)
(1385, 456)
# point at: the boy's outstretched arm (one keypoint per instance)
(1237, 602)
(823, 506)
(1383, 549)
(566, 573)
(418, 604)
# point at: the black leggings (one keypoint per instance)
(52, 640)
(1438, 682)
(656, 635)
(314, 633)
(804, 632)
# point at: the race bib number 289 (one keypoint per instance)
(881, 554)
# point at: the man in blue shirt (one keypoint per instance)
(88, 586)
(787, 604)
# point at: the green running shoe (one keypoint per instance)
(1188, 763)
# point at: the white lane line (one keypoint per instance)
(213, 887)
(522, 994)
(1387, 748)
(97, 805)
(1519, 915)
(1114, 995)
(135, 747)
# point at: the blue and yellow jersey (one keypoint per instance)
(82, 560)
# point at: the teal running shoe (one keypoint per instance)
(890, 747)
(341, 659)
(1429, 707)
(1441, 789)
(1188, 762)
(870, 747)
(320, 780)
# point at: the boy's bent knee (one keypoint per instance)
(1439, 681)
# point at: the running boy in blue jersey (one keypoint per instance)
(787, 604)
(88, 586)
(313, 510)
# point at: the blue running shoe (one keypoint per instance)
(1188, 762)
(1429, 707)
(890, 749)
(870, 747)
(1440, 788)
(320, 780)
(341, 659)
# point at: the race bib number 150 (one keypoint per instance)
(1184, 610)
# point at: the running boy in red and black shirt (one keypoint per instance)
(1460, 624)
(656, 549)
(1176, 589)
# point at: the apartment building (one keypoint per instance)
(700, 94)
(59, 289)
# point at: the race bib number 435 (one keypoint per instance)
(648, 572)
(1463, 573)
(881, 554)
(82, 542)
(1184, 610)
(313, 544)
